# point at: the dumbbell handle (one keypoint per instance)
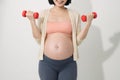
(84, 17)
(35, 14)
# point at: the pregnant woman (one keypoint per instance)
(58, 33)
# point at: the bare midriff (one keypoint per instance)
(58, 46)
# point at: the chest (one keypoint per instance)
(58, 17)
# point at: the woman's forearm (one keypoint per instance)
(35, 31)
(82, 35)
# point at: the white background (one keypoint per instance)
(99, 52)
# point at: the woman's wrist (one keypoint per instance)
(89, 22)
(33, 21)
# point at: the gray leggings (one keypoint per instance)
(50, 69)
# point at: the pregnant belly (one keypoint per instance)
(58, 46)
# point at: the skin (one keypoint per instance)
(59, 45)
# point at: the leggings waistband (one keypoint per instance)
(57, 62)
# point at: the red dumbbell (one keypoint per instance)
(84, 17)
(35, 14)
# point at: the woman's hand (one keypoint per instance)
(29, 15)
(90, 18)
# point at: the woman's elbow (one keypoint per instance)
(36, 36)
(81, 38)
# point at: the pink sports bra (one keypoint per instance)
(63, 27)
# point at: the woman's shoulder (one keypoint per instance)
(44, 11)
(74, 11)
